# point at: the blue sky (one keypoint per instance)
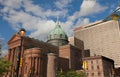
(38, 16)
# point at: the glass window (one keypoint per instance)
(60, 35)
(87, 74)
(91, 62)
(26, 68)
(99, 73)
(92, 74)
(98, 67)
(92, 67)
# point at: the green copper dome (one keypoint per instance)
(57, 33)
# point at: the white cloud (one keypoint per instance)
(62, 3)
(41, 12)
(68, 26)
(4, 52)
(11, 3)
(32, 17)
(3, 45)
(88, 7)
(43, 29)
(82, 21)
(1, 38)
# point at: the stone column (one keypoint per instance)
(51, 66)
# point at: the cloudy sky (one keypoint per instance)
(38, 17)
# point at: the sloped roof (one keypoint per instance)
(58, 31)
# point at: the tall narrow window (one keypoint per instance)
(87, 74)
(60, 35)
(92, 74)
(26, 68)
(99, 74)
(92, 67)
(98, 67)
(91, 62)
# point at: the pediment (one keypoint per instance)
(14, 38)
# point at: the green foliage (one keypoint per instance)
(71, 74)
(60, 74)
(4, 66)
(82, 74)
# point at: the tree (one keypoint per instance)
(71, 74)
(61, 74)
(4, 66)
(82, 73)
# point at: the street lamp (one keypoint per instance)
(21, 33)
(0, 51)
(0, 48)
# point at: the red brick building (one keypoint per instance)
(29, 56)
(98, 66)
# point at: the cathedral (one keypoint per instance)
(96, 45)
(34, 58)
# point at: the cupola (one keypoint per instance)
(57, 37)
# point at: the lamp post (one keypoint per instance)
(0, 48)
(19, 59)
(0, 51)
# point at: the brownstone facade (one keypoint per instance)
(98, 66)
(34, 60)
(73, 54)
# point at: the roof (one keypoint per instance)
(89, 25)
(97, 57)
(57, 33)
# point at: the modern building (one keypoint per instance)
(102, 37)
(98, 66)
(31, 57)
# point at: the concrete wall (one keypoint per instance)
(102, 39)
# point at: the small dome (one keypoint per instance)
(57, 33)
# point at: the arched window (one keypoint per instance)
(61, 36)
